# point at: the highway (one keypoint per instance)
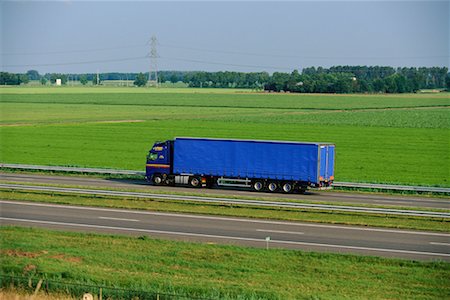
(238, 231)
(315, 196)
(229, 200)
(87, 170)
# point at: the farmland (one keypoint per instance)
(221, 272)
(379, 138)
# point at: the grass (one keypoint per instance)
(17, 294)
(216, 271)
(108, 89)
(302, 215)
(115, 127)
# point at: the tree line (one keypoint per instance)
(360, 79)
(337, 79)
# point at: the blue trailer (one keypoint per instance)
(261, 165)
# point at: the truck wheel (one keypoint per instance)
(287, 187)
(258, 186)
(157, 179)
(272, 186)
(194, 182)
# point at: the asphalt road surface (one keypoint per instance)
(418, 245)
(325, 196)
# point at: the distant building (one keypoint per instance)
(58, 82)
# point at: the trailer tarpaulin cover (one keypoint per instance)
(247, 159)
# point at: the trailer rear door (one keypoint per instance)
(326, 164)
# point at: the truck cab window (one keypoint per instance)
(152, 156)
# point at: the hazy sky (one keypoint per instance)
(75, 36)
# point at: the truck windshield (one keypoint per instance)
(152, 156)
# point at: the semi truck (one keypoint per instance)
(270, 166)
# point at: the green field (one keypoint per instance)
(379, 138)
(219, 272)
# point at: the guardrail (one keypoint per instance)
(228, 201)
(392, 187)
(410, 188)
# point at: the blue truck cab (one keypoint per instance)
(159, 160)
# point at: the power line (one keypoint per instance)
(72, 51)
(298, 56)
(154, 55)
(154, 67)
(225, 64)
(174, 46)
(77, 63)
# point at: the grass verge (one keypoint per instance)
(213, 271)
(20, 294)
(288, 214)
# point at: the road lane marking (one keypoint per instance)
(226, 219)
(388, 201)
(229, 237)
(118, 219)
(440, 244)
(279, 231)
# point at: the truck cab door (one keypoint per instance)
(158, 159)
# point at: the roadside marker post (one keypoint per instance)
(267, 242)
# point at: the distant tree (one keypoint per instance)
(162, 77)
(278, 82)
(33, 75)
(379, 85)
(447, 82)
(141, 80)
(64, 78)
(401, 83)
(43, 80)
(390, 84)
(344, 83)
(83, 79)
(173, 78)
(9, 78)
(364, 86)
(23, 78)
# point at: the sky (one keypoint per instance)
(113, 36)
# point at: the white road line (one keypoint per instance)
(279, 231)
(388, 201)
(227, 219)
(231, 237)
(118, 219)
(441, 244)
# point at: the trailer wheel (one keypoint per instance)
(258, 186)
(194, 182)
(272, 186)
(157, 179)
(287, 187)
